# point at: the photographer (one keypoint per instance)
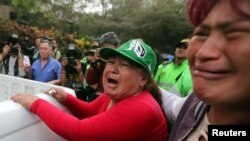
(72, 70)
(12, 58)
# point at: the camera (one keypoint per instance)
(12, 41)
(13, 50)
(70, 54)
(71, 61)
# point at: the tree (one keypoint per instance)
(161, 23)
(59, 14)
(5, 2)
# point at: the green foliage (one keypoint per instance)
(161, 23)
(24, 5)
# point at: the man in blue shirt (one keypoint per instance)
(46, 69)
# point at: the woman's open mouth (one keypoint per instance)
(112, 82)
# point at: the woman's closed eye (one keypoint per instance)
(125, 64)
(200, 33)
(110, 61)
(236, 32)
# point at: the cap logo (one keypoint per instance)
(138, 48)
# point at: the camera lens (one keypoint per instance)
(14, 50)
(71, 61)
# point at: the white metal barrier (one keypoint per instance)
(17, 123)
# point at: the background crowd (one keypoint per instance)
(81, 70)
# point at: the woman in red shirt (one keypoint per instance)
(128, 110)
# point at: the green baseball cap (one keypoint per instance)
(134, 50)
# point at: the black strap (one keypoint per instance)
(6, 65)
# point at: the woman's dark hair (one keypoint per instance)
(199, 9)
(154, 90)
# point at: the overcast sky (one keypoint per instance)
(93, 7)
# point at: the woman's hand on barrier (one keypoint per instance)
(58, 93)
(25, 100)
